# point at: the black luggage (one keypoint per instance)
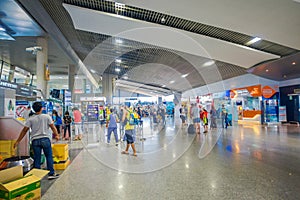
(191, 129)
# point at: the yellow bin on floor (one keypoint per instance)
(61, 165)
(60, 151)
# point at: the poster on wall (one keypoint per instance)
(282, 114)
(9, 107)
(92, 112)
(21, 107)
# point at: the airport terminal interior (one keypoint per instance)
(150, 99)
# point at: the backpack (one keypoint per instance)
(58, 120)
(132, 119)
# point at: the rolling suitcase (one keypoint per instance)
(191, 129)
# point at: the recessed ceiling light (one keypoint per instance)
(293, 63)
(172, 82)
(208, 63)
(2, 29)
(267, 70)
(184, 75)
(256, 39)
(284, 76)
(117, 69)
(93, 71)
(118, 41)
(118, 60)
(163, 86)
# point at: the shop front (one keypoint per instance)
(255, 104)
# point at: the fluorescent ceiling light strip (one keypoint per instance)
(256, 39)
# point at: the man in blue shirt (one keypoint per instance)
(112, 126)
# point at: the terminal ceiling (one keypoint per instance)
(165, 40)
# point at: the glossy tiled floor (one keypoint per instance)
(242, 162)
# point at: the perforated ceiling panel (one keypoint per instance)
(140, 61)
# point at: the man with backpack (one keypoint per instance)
(128, 121)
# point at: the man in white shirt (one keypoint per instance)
(40, 138)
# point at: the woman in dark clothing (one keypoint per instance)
(67, 124)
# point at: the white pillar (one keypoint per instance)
(41, 61)
(108, 87)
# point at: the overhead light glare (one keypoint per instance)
(125, 76)
(118, 41)
(256, 39)
(293, 63)
(2, 29)
(117, 69)
(208, 63)
(184, 75)
(267, 70)
(118, 60)
(172, 82)
(163, 86)
(93, 71)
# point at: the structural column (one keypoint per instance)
(41, 62)
(108, 85)
(71, 79)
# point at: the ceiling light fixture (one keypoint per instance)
(267, 70)
(93, 71)
(256, 39)
(208, 63)
(293, 63)
(117, 69)
(184, 75)
(118, 41)
(2, 29)
(118, 60)
(163, 86)
(125, 76)
(172, 82)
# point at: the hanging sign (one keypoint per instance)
(47, 72)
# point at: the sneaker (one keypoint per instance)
(54, 176)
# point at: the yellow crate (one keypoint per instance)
(60, 151)
(61, 165)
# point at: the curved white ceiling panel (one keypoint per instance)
(273, 20)
(99, 22)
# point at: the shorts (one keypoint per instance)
(196, 120)
(129, 136)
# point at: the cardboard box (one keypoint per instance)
(13, 185)
(61, 165)
(60, 152)
(6, 149)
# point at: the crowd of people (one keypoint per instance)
(129, 118)
(196, 113)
